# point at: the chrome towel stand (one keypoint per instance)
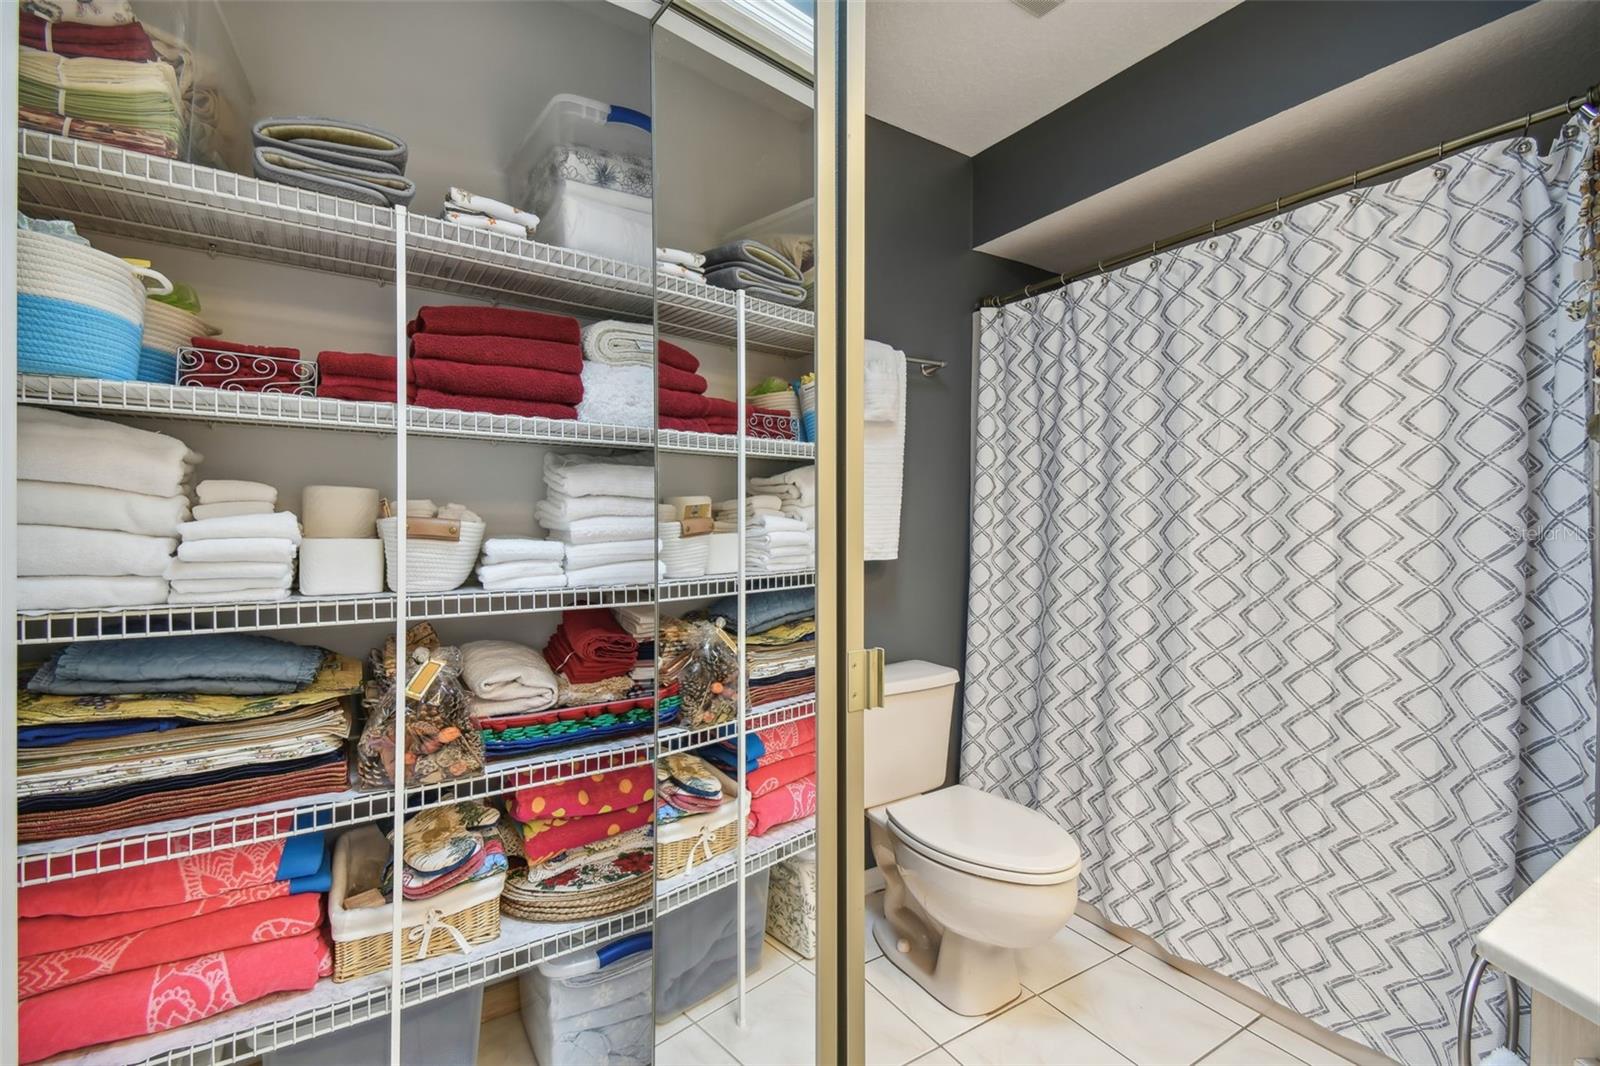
(929, 367)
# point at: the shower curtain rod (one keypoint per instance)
(1590, 99)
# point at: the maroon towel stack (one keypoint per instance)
(681, 400)
(224, 364)
(358, 376)
(497, 360)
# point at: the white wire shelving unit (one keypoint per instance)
(700, 588)
(673, 738)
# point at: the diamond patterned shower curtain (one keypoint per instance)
(1281, 589)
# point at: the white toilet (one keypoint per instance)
(970, 878)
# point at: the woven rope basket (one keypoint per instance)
(431, 565)
(80, 312)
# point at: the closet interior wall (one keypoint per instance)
(462, 82)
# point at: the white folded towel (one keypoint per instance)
(178, 569)
(88, 593)
(618, 344)
(643, 571)
(258, 595)
(65, 551)
(808, 515)
(222, 584)
(463, 200)
(421, 509)
(505, 670)
(53, 446)
(582, 475)
(526, 584)
(613, 551)
(522, 549)
(675, 270)
(778, 538)
(775, 522)
(219, 490)
(48, 503)
(228, 510)
(618, 395)
(240, 550)
(280, 525)
(798, 485)
(752, 502)
(503, 572)
(599, 530)
(570, 508)
(637, 622)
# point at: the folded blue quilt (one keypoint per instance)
(766, 609)
(235, 664)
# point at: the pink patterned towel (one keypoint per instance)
(784, 804)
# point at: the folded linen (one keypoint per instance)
(280, 525)
(507, 573)
(214, 490)
(126, 41)
(754, 256)
(379, 368)
(239, 585)
(472, 220)
(348, 389)
(250, 595)
(237, 550)
(798, 485)
(495, 405)
(336, 179)
(761, 536)
(604, 553)
(673, 379)
(65, 551)
(57, 447)
(521, 549)
(681, 404)
(203, 511)
(677, 356)
(644, 571)
(155, 663)
(502, 382)
(472, 320)
(525, 583)
(783, 804)
(765, 609)
(179, 569)
(603, 529)
(88, 593)
(759, 285)
(463, 200)
(505, 670)
(564, 508)
(617, 343)
(617, 395)
(46, 503)
(557, 356)
(673, 270)
(680, 257)
(581, 475)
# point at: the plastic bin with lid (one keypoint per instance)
(591, 1006)
(697, 945)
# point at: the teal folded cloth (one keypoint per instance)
(232, 664)
(766, 609)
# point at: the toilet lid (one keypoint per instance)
(989, 835)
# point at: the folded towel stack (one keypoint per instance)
(520, 564)
(682, 558)
(618, 374)
(758, 269)
(104, 83)
(242, 554)
(471, 211)
(216, 363)
(497, 360)
(603, 512)
(506, 679)
(681, 402)
(592, 656)
(361, 376)
(780, 533)
(676, 263)
(98, 509)
(333, 156)
(640, 624)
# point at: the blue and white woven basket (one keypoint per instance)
(166, 329)
(80, 312)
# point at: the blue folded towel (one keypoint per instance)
(239, 664)
(766, 609)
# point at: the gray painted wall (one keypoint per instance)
(922, 280)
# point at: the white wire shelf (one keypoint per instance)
(688, 443)
(540, 768)
(130, 194)
(674, 738)
(722, 870)
(707, 587)
(472, 602)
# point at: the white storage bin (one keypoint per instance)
(591, 1007)
(697, 945)
(440, 1032)
(617, 225)
(792, 904)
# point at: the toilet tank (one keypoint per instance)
(907, 740)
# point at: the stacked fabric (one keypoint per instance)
(361, 376)
(592, 657)
(443, 847)
(640, 624)
(120, 954)
(682, 558)
(618, 374)
(65, 37)
(676, 263)
(604, 513)
(681, 402)
(686, 785)
(520, 564)
(99, 506)
(583, 848)
(120, 733)
(103, 83)
(216, 363)
(333, 156)
(471, 211)
(237, 549)
(780, 772)
(506, 679)
(780, 643)
(761, 271)
(781, 538)
(497, 360)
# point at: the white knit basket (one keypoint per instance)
(431, 565)
(168, 328)
(66, 270)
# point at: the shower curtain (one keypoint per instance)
(1280, 590)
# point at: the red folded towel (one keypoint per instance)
(57, 932)
(495, 321)
(564, 834)
(690, 425)
(156, 884)
(674, 356)
(772, 777)
(681, 404)
(716, 407)
(217, 344)
(589, 645)
(494, 405)
(366, 389)
(670, 377)
(126, 40)
(502, 382)
(499, 351)
(356, 365)
(784, 804)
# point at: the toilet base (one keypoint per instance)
(968, 977)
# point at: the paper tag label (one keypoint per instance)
(423, 680)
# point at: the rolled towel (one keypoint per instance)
(202, 511)
(222, 491)
(65, 551)
(281, 525)
(494, 321)
(339, 511)
(616, 343)
(505, 670)
(522, 549)
(421, 508)
(239, 550)
(269, 573)
(88, 593)
(46, 503)
(63, 448)
(256, 595)
(557, 356)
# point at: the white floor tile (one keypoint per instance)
(782, 1022)
(1248, 1049)
(772, 963)
(783, 949)
(891, 1038)
(1144, 1018)
(670, 1027)
(502, 1042)
(931, 1016)
(1065, 955)
(937, 1057)
(1301, 1048)
(693, 1047)
(1084, 927)
(1031, 1034)
(1194, 988)
(874, 916)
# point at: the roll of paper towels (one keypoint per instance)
(339, 512)
(341, 566)
(724, 555)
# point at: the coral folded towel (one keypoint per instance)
(584, 796)
(785, 741)
(57, 932)
(590, 646)
(180, 880)
(502, 382)
(255, 923)
(494, 405)
(495, 321)
(542, 838)
(670, 354)
(773, 776)
(163, 997)
(499, 351)
(784, 804)
(675, 380)
(356, 365)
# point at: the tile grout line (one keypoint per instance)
(718, 1044)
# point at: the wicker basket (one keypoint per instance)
(688, 842)
(431, 565)
(578, 906)
(468, 913)
(80, 312)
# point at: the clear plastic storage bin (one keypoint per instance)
(440, 1032)
(591, 1007)
(697, 945)
(585, 170)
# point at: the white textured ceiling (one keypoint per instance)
(968, 73)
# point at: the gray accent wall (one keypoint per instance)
(922, 281)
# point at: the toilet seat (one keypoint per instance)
(974, 831)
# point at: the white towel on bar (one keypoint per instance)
(88, 593)
(53, 446)
(522, 549)
(582, 475)
(49, 503)
(599, 530)
(220, 490)
(269, 573)
(202, 511)
(65, 551)
(571, 508)
(618, 395)
(883, 451)
(280, 525)
(240, 550)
